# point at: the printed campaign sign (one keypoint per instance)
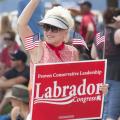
(68, 91)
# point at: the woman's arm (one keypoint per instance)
(25, 31)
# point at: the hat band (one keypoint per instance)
(55, 17)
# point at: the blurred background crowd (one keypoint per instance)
(90, 17)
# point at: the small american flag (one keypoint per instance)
(32, 41)
(78, 40)
(99, 39)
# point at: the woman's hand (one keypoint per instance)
(104, 88)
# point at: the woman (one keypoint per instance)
(111, 52)
(56, 27)
(56, 24)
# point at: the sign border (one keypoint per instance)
(43, 64)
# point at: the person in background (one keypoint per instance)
(37, 16)
(111, 52)
(18, 74)
(88, 25)
(11, 47)
(19, 98)
(5, 25)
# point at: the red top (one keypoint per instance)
(86, 20)
(63, 53)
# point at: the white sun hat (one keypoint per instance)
(58, 17)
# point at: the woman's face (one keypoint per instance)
(54, 35)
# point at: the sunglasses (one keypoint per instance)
(8, 39)
(51, 28)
